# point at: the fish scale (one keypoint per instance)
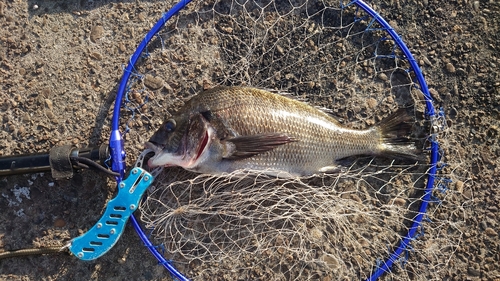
(312, 140)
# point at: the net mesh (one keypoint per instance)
(340, 226)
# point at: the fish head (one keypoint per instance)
(180, 141)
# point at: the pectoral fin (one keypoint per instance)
(248, 146)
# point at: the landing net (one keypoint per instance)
(370, 218)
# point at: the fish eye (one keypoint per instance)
(170, 125)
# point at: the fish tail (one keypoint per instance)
(396, 136)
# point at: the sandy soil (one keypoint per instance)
(60, 63)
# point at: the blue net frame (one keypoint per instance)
(117, 150)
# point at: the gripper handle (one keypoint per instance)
(106, 232)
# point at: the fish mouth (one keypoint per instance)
(159, 157)
(157, 150)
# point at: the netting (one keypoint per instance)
(343, 226)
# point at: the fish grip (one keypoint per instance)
(106, 232)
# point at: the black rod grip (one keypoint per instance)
(37, 163)
(24, 164)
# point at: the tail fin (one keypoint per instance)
(395, 133)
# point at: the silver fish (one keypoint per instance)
(225, 129)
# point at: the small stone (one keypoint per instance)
(26, 117)
(490, 231)
(50, 115)
(22, 131)
(330, 260)
(476, 5)
(227, 29)
(45, 92)
(483, 225)
(450, 68)
(382, 76)
(467, 193)
(49, 104)
(125, 17)
(141, 16)
(459, 186)
(461, 71)
(2, 8)
(473, 272)
(418, 94)
(371, 103)
(427, 61)
(154, 83)
(59, 222)
(280, 50)
(122, 260)
(122, 47)
(96, 56)
(96, 33)
(434, 93)
(206, 85)
(399, 202)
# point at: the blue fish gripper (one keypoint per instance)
(106, 232)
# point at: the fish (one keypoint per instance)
(227, 129)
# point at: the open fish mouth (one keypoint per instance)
(185, 159)
(157, 150)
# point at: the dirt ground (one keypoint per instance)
(60, 64)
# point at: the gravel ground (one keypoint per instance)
(61, 61)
